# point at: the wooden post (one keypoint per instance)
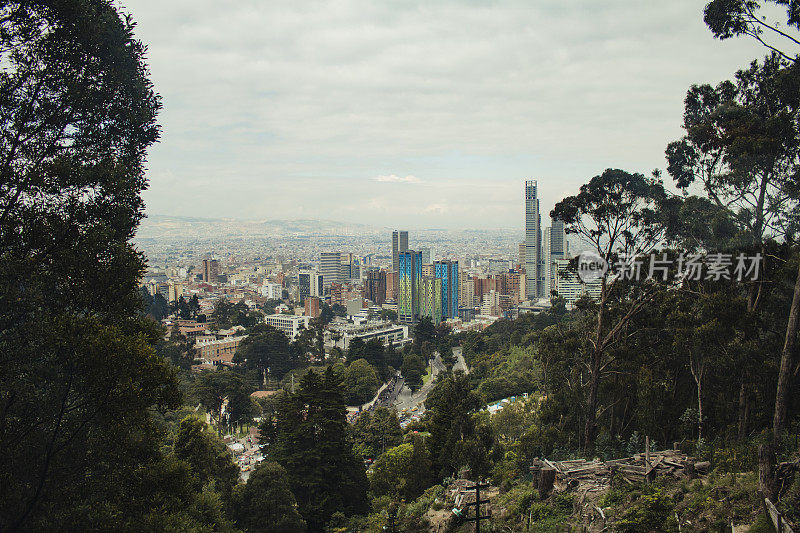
(766, 471)
(649, 476)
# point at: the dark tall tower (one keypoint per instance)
(399, 244)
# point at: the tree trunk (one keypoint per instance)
(594, 377)
(766, 471)
(699, 409)
(743, 409)
(591, 404)
(785, 374)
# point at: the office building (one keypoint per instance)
(399, 244)
(555, 247)
(570, 287)
(427, 256)
(375, 286)
(309, 284)
(210, 270)
(330, 266)
(431, 298)
(290, 325)
(447, 271)
(533, 243)
(342, 335)
(409, 278)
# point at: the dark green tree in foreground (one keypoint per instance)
(734, 18)
(413, 369)
(78, 374)
(310, 442)
(451, 405)
(619, 214)
(267, 350)
(208, 456)
(266, 504)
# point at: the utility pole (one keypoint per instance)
(477, 503)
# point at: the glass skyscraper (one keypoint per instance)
(409, 285)
(534, 262)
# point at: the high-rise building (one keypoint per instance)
(548, 263)
(375, 286)
(466, 290)
(309, 284)
(303, 286)
(431, 298)
(447, 271)
(210, 270)
(330, 266)
(427, 256)
(399, 244)
(522, 253)
(409, 278)
(555, 247)
(571, 287)
(533, 242)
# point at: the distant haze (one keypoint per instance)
(413, 114)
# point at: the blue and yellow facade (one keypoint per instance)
(409, 282)
(447, 271)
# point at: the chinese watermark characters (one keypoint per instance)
(691, 267)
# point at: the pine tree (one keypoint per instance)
(310, 442)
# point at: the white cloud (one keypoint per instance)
(292, 99)
(392, 178)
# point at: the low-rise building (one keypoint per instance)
(341, 335)
(218, 350)
(288, 324)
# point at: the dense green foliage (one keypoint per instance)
(310, 442)
(265, 504)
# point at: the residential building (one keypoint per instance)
(375, 286)
(570, 287)
(273, 291)
(409, 280)
(447, 271)
(312, 307)
(431, 298)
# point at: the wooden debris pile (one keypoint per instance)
(639, 467)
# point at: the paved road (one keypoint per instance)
(406, 400)
(460, 364)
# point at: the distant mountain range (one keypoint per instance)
(175, 227)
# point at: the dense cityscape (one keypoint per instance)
(367, 267)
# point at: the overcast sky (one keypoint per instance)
(408, 114)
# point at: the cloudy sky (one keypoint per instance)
(426, 114)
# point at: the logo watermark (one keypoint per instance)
(591, 267)
(693, 267)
